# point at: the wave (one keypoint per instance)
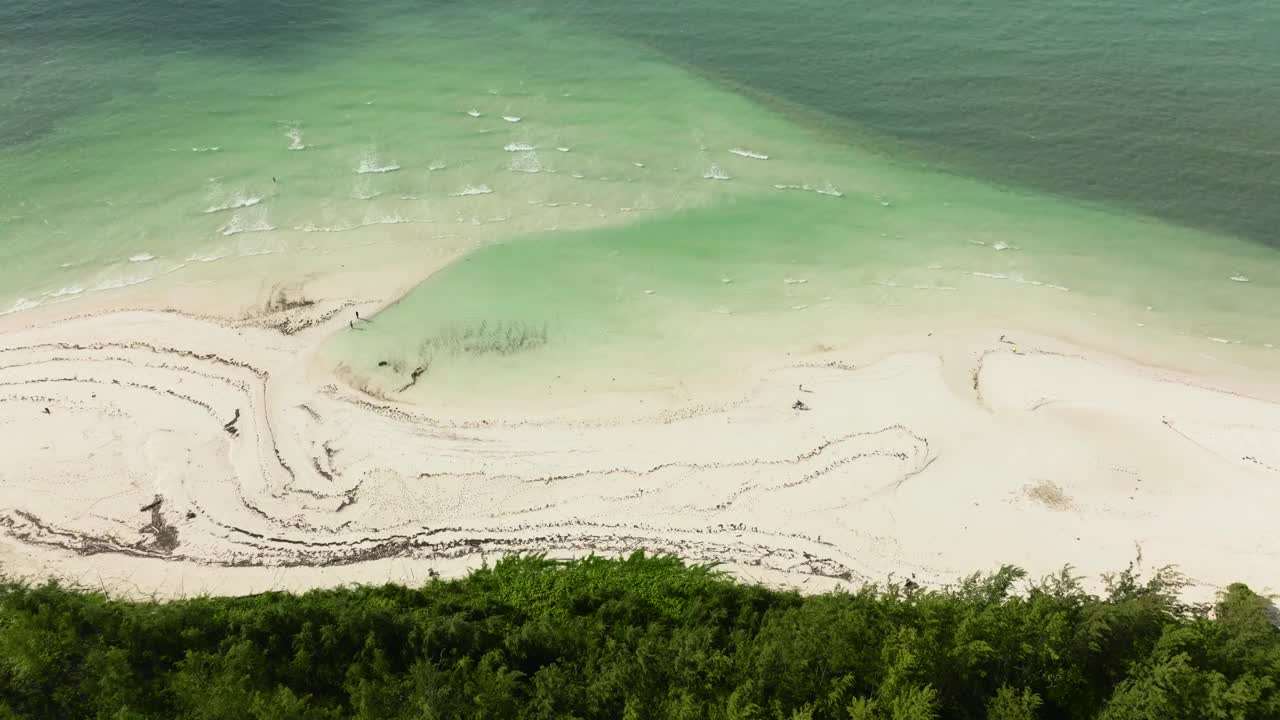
(474, 113)
(237, 200)
(117, 284)
(470, 190)
(371, 163)
(715, 172)
(214, 148)
(248, 222)
(205, 258)
(368, 221)
(1024, 281)
(437, 165)
(1239, 278)
(562, 148)
(65, 291)
(527, 162)
(295, 139)
(363, 189)
(512, 118)
(21, 304)
(519, 147)
(749, 154)
(141, 258)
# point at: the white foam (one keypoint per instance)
(141, 258)
(117, 284)
(527, 162)
(370, 219)
(577, 176)
(715, 172)
(248, 222)
(562, 149)
(993, 276)
(1239, 278)
(1000, 246)
(371, 163)
(295, 139)
(474, 113)
(64, 292)
(1222, 341)
(363, 189)
(512, 118)
(214, 148)
(794, 281)
(437, 165)
(1037, 283)
(312, 227)
(234, 201)
(21, 304)
(825, 189)
(639, 165)
(519, 147)
(472, 190)
(749, 154)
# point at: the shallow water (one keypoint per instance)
(648, 221)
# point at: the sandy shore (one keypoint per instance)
(124, 469)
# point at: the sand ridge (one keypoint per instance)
(184, 454)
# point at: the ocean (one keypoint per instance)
(642, 190)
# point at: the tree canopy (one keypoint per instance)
(644, 638)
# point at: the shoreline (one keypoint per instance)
(934, 458)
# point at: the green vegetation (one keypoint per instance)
(644, 638)
(483, 339)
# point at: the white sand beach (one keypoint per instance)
(124, 466)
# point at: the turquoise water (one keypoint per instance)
(1168, 107)
(635, 186)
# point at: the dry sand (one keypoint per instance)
(931, 464)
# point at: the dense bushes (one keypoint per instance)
(643, 638)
